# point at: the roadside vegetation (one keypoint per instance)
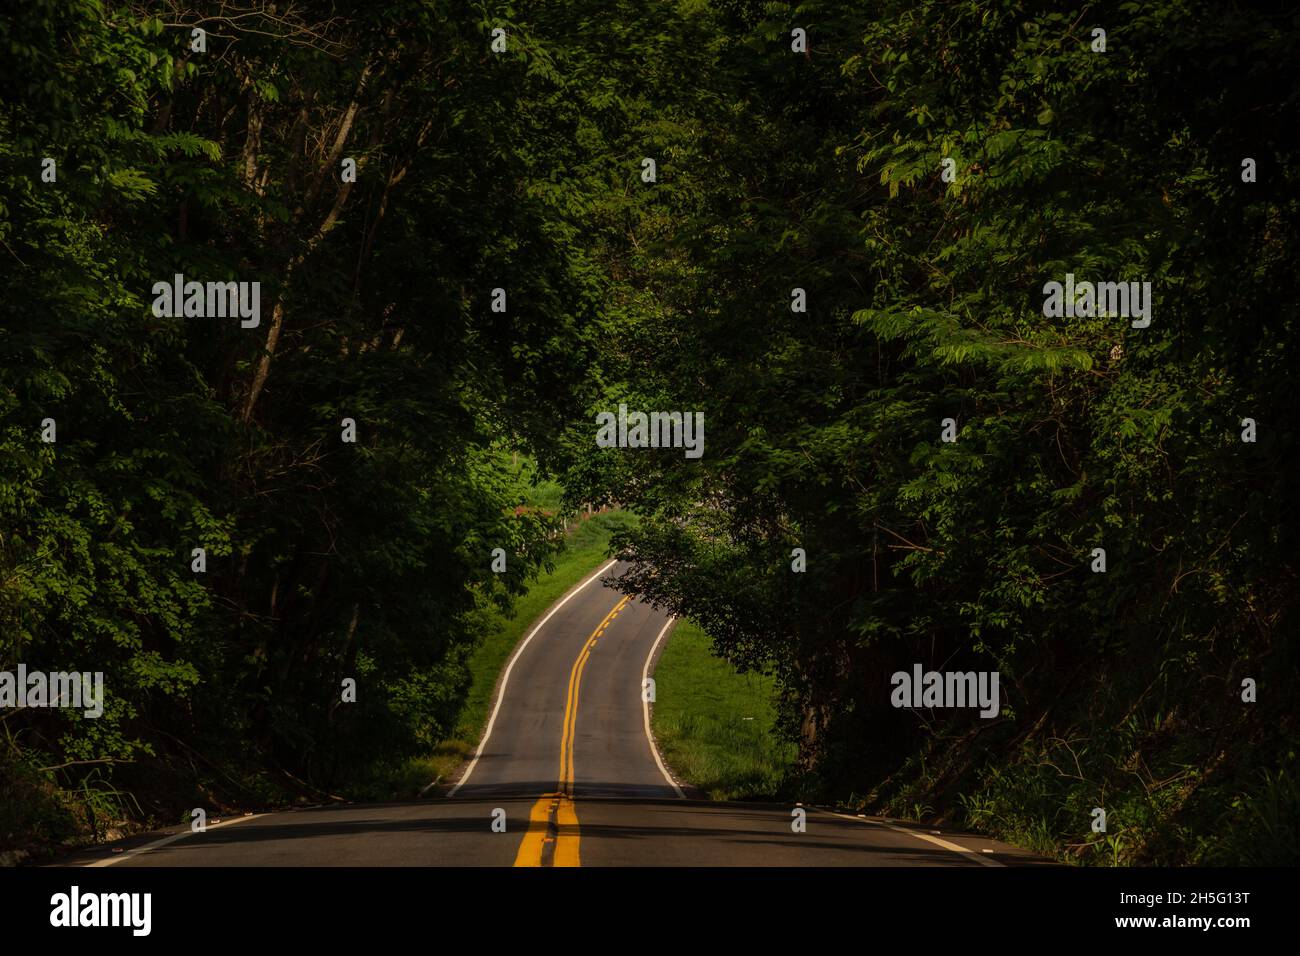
(714, 726)
(827, 230)
(915, 457)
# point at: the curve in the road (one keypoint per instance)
(568, 738)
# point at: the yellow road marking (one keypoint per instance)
(560, 807)
(530, 850)
(566, 847)
(571, 701)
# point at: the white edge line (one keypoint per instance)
(126, 855)
(505, 678)
(965, 851)
(645, 709)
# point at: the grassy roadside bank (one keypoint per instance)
(585, 552)
(713, 725)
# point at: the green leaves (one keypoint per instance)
(324, 559)
(827, 428)
(133, 184)
(926, 305)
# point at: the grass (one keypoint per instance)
(584, 551)
(713, 725)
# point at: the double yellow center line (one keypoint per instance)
(552, 837)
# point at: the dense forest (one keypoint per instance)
(828, 227)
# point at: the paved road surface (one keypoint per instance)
(569, 761)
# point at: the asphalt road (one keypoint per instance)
(568, 769)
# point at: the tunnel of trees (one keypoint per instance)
(838, 254)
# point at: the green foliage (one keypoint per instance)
(776, 171)
(925, 303)
(325, 560)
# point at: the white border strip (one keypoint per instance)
(126, 855)
(501, 691)
(645, 709)
(964, 850)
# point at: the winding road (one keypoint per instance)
(566, 775)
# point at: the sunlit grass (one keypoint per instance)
(714, 726)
